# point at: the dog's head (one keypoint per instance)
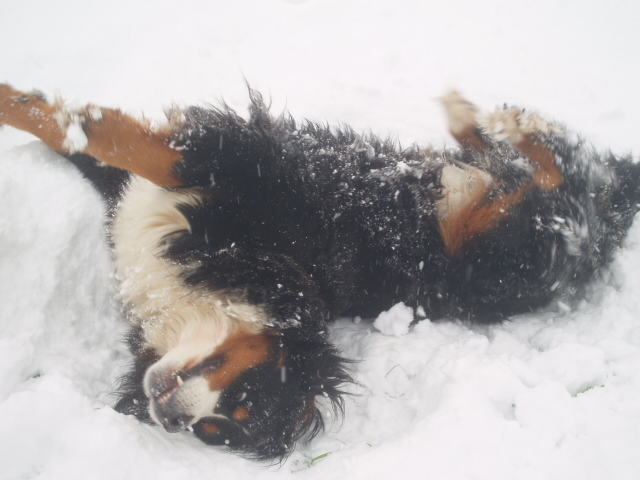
(254, 393)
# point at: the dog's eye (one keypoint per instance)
(241, 396)
(204, 368)
(210, 365)
(171, 238)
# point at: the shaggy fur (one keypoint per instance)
(264, 230)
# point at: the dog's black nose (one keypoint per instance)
(176, 424)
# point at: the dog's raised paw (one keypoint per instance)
(513, 124)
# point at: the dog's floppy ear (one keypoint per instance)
(322, 372)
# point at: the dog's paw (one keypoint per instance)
(513, 125)
(461, 113)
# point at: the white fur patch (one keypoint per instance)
(71, 123)
(194, 399)
(188, 323)
(513, 124)
(461, 113)
(461, 185)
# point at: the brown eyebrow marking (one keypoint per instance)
(210, 428)
(240, 352)
(240, 414)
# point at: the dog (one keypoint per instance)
(238, 241)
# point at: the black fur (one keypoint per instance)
(362, 234)
(109, 181)
(311, 222)
(132, 399)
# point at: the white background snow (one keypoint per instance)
(553, 395)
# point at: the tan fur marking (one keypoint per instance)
(476, 214)
(477, 217)
(547, 174)
(469, 138)
(113, 137)
(523, 130)
(30, 113)
(210, 428)
(241, 352)
(121, 141)
(240, 414)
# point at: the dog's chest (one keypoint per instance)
(152, 288)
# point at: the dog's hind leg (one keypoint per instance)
(481, 210)
(527, 132)
(108, 135)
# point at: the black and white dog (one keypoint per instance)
(238, 241)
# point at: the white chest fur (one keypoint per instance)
(169, 312)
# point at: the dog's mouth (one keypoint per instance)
(187, 404)
(163, 385)
(208, 396)
(164, 396)
(177, 400)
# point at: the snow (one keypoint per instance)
(75, 139)
(553, 394)
(394, 321)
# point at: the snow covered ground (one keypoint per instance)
(552, 395)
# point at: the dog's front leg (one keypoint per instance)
(106, 134)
